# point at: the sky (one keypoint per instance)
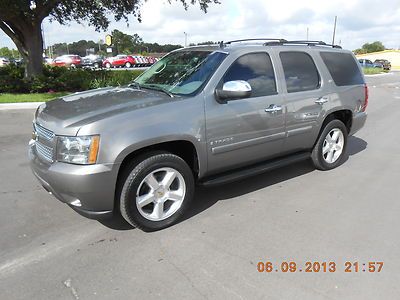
(359, 21)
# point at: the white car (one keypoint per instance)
(4, 61)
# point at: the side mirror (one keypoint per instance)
(232, 90)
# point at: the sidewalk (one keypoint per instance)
(20, 105)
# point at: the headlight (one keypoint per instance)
(78, 149)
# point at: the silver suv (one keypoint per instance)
(205, 115)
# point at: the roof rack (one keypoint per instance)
(277, 42)
(312, 43)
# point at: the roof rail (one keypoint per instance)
(312, 43)
(277, 42)
(222, 44)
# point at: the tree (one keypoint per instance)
(370, 47)
(9, 53)
(21, 20)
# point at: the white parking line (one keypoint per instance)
(52, 248)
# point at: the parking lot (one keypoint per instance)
(294, 214)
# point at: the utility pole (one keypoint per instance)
(185, 38)
(334, 31)
(307, 33)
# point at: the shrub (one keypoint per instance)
(62, 79)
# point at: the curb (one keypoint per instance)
(21, 105)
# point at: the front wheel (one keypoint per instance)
(328, 152)
(156, 191)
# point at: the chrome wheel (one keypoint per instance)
(160, 194)
(333, 145)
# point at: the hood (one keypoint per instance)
(67, 114)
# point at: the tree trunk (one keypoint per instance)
(33, 51)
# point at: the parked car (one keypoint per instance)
(366, 63)
(122, 60)
(70, 61)
(92, 61)
(206, 115)
(384, 63)
(4, 61)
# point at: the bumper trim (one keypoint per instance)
(94, 215)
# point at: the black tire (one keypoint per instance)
(128, 65)
(136, 173)
(317, 153)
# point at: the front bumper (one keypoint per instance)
(359, 120)
(88, 189)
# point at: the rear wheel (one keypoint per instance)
(328, 152)
(156, 191)
(128, 65)
(108, 65)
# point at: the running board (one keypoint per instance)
(242, 173)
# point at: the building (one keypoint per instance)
(391, 55)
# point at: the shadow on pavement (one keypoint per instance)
(207, 197)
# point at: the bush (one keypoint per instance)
(58, 79)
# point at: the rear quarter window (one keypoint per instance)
(343, 68)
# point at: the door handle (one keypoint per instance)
(321, 100)
(273, 108)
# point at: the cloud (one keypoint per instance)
(358, 22)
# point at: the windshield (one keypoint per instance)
(182, 72)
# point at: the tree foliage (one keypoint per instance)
(21, 20)
(370, 47)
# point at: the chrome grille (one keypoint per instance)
(44, 133)
(45, 143)
(44, 152)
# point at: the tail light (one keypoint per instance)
(364, 107)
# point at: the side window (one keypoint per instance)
(257, 70)
(300, 72)
(343, 68)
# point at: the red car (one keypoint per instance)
(71, 61)
(126, 61)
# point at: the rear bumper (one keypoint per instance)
(88, 189)
(359, 120)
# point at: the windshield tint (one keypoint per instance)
(182, 72)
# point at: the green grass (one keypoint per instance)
(16, 98)
(372, 71)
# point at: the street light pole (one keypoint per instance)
(185, 38)
(334, 31)
(307, 33)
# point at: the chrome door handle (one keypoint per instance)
(321, 100)
(273, 108)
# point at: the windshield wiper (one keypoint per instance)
(157, 88)
(135, 85)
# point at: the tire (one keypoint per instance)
(330, 148)
(73, 66)
(128, 65)
(108, 65)
(163, 204)
(96, 65)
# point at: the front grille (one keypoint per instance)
(44, 152)
(44, 133)
(45, 143)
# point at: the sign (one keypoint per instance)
(108, 40)
(109, 50)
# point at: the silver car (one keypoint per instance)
(201, 115)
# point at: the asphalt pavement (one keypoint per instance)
(294, 214)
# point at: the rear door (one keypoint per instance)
(247, 130)
(305, 97)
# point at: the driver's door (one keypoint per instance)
(246, 130)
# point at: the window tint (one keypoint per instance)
(300, 72)
(343, 68)
(257, 70)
